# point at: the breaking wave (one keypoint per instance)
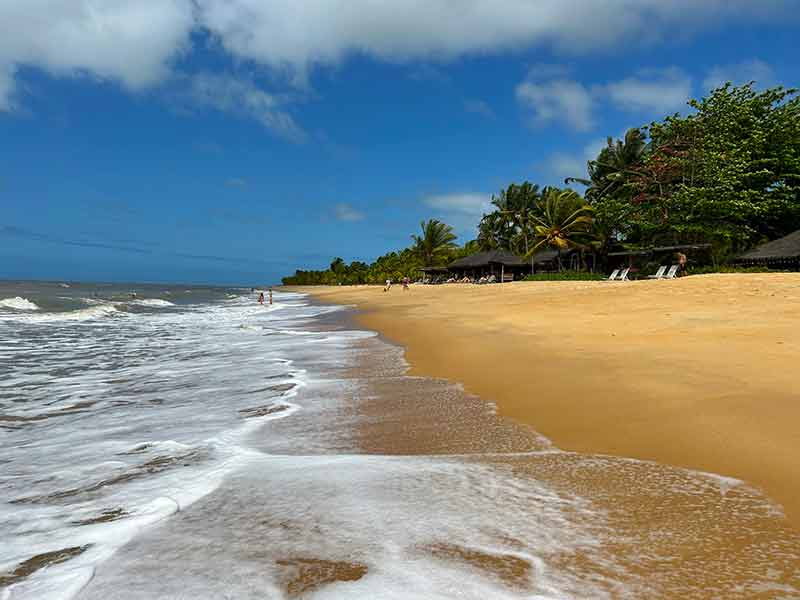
(18, 303)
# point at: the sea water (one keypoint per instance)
(190, 443)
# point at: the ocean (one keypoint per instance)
(187, 442)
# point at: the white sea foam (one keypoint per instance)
(18, 303)
(153, 302)
(99, 311)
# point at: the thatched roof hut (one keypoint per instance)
(501, 263)
(485, 259)
(783, 252)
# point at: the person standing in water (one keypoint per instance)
(261, 298)
(270, 296)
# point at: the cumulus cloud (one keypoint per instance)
(558, 100)
(739, 73)
(650, 91)
(345, 212)
(244, 98)
(133, 43)
(656, 90)
(300, 34)
(136, 43)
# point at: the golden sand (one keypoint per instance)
(700, 372)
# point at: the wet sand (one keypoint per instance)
(698, 372)
(386, 485)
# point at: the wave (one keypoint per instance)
(152, 302)
(18, 303)
(84, 314)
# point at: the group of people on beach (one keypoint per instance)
(405, 281)
(261, 297)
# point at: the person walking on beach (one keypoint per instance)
(681, 266)
(270, 296)
(388, 285)
(405, 284)
(261, 298)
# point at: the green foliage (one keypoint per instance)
(729, 173)
(563, 221)
(394, 265)
(509, 225)
(435, 244)
(566, 276)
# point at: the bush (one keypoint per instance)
(566, 276)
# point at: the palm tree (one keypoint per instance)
(614, 165)
(507, 227)
(565, 222)
(434, 243)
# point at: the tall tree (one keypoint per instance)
(565, 222)
(729, 172)
(434, 244)
(508, 226)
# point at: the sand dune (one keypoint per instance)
(700, 372)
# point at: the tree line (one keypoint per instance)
(726, 174)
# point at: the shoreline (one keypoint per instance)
(695, 373)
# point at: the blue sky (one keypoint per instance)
(232, 141)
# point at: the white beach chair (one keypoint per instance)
(671, 273)
(613, 275)
(659, 274)
(624, 275)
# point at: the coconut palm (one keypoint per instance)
(565, 222)
(614, 165)
(507, 227)
(436, 241)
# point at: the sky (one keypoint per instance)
(234, 141)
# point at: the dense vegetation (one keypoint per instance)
(727, 174)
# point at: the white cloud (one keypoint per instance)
(479, 107)
(558, 100)
(462, 211)
(244, 98)
(136, 42)
(130, 42)
(561, 165)
(282, 33)
(659, 91)
(345, 212)
(739, 73)
(236, 182)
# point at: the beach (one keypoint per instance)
(698, 372)
(190, 441)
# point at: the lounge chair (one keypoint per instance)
(613, 275)
(671, 273)
(624, 275)
(659, 274)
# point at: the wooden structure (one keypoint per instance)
(504, 265)
(783, 253)
(547, 260)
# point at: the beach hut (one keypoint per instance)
(504, 265)
(783, 253)
(548, 260)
